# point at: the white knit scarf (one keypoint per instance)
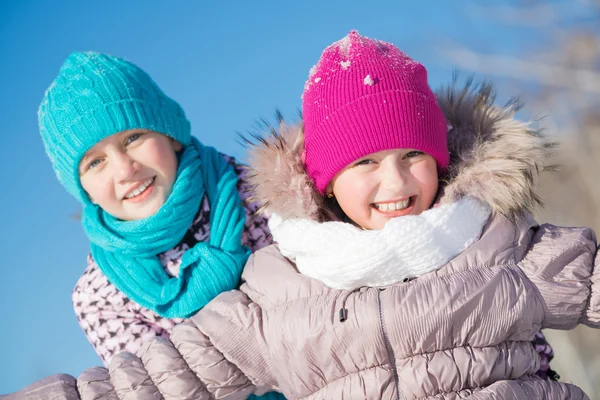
(344, 256)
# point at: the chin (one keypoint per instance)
(379, 226)
(152, 209)
(146, 211)
(374, 225)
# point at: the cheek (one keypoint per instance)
(352, 192)
(162, 158)
(427, 178)
(98, 189)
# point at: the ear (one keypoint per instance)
(329, 188)
(176, 145)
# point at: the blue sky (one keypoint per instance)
(227, 63)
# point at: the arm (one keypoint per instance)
(591, 316)
(561, 264)
(60, 386)
(111, 322)
(217, 354)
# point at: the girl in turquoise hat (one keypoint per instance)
(164, 214)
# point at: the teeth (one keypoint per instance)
(139, 189)
(399, 205)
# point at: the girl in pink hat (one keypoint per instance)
(407, 263)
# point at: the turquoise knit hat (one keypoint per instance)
(94, 96)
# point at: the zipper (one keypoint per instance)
(388, 347)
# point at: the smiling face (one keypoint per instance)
(384, 185)
(130, 174)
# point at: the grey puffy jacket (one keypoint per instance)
(463, 331)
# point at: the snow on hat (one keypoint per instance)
(365, 96)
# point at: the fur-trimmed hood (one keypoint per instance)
(493, 157)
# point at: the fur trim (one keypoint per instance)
(278, 180)
(493, 157)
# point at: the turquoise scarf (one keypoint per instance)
(127, 251)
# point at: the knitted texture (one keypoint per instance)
(113, 323)
(126, 251)
(365, 96)
(407, 247)
(95, 96)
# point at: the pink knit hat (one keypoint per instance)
(365, 96)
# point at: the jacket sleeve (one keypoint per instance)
(561, 264)
(591, 316)
(217, 354)
(59, 386)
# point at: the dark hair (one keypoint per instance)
(332, 211)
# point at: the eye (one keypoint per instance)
(414, 153)
(94, 163)
(132, 138)
(364, 162)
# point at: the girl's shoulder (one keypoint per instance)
(256, 233)
(562, 246)
(241, 171)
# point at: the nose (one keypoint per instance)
(125, 167)
(394, 176)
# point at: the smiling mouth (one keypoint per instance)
(395, 208)
(140, 190)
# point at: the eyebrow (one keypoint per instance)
(85, 158)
